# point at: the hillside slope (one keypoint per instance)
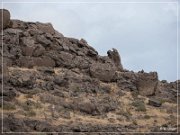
(53, 83)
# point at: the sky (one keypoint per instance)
(143, 31)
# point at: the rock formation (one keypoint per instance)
(89, 93)
(5, 18)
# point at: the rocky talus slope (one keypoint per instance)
(53, 83)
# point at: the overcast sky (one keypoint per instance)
(145, 34)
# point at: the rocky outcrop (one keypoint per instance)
(147, 83)
(61, 79)
(5, 18)
(144, 83)
(114, 55)
(103, 71)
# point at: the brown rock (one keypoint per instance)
(17, 24)
(5, 14)
(114, 55)
(102, 71)
(27, 50)
(28, 41)
(44, 61)
(39, 50)
(46, 27)
(147, 83)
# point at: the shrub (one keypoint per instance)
(30, 113)
(135, 122)
(147, 117)
(140, 106)
(135, 94)
(8, 106)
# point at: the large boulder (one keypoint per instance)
(147, 83)
(6, 18)
(46, 27)
(103, 71)
(64, 59)
(22, 79)
(154, 102)
(126, 80)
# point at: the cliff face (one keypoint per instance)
(53, 83)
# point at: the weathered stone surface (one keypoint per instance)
(22, 79)
(154, 102)
(114, 55)
(5, 14)
(8, 93)
(17, 24)
(102, 71)
(168, 91)
(64, 59)
(28, 41)
(27, 50)
(13, 31)
(46, 27)
(44, 61)
(25, 61)
(43, 40)
(87, 107)
(38, 51)
(126, 80)
(67, 86)
(147, 83)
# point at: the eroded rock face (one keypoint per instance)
(46, 27)
(103, 71)
(6, 18)
(147, 83)
(44, 71)
(114, 55)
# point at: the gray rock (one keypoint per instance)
(147, 83)
(28, 41)
(44, 61)
(38, 51)
(64, 59)
(17, 24)
(87, 107)
(9, 93)
(154, 102)
(27, 50)
(22, 79)
(6, 18)
(46, 27)
(114, 55)
(43, 40)
(102, 71)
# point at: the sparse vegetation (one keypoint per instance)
(147, 116)
(140, 105)
(58, 83)
(134, 122)
(135, 94)
(29, 95)
(126, 113)
(30, 113)
(8, 106)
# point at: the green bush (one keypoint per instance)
(140, 106)
(8, 106)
